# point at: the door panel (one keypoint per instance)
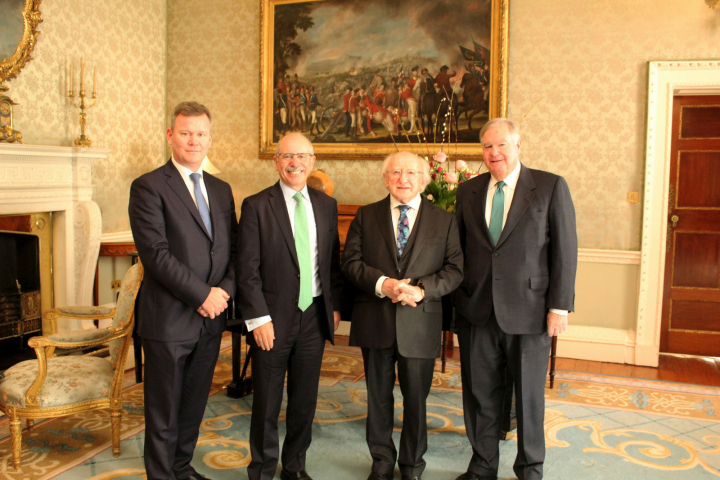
(691, 299)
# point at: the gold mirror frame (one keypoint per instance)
(10, 67)
(377, 151)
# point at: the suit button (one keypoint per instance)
(495, 254)
(212, 252)
(298, 275)
(295, 300)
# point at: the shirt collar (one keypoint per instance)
(414, 203)
(511, 180)
(184, 171)
(289, 192)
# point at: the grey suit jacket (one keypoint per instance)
(532, 268)
(432, 255)
(181, 262)
(268, 273)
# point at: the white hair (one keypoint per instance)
(422, 166)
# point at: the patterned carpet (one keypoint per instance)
(597, 427)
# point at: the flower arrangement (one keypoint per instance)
(444, 180)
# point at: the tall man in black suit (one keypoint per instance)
(289, 294)
(517, 228)
(400, 249)
(184, 226)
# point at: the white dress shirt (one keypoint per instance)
(290, 203)
(509, 190)
(412, 212)
(185, 174)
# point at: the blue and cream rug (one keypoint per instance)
(597, 427)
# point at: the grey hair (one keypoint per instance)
(277, 147)
(512, 127)
(189, 109)
(423, 167)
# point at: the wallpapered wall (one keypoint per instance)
(586, 62)
(127, 43)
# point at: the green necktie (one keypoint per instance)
(302, 246)
(497, 214)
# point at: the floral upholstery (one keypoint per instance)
(125, 306)
(70, 380)
(80, 336)
(89, 311)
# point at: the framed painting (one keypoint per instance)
(362, 78)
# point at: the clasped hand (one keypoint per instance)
(215, 303)
(401, 291)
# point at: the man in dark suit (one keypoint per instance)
(517, 228)
(289, 294)
(400, 249)
(184, 226)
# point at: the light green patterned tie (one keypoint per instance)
(497, 213)
(302, 246)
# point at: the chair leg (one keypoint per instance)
(115, 418)
(16, 433)
(30, 423)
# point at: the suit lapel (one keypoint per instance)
(213, 200)
(385, 225)
(420, 231)
(478, 206)
(178, 185)
(521, 200)
(279, 208)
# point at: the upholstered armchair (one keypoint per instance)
(54, 386)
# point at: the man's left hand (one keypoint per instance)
(336, 317)
(557, 324)
(408, 294)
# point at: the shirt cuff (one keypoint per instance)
(559, 312)
(254, 323)
(378, 286)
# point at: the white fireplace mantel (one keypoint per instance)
(40, 178)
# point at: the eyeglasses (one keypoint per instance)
(410, 174)
(299, 156)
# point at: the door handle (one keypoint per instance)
(674, 219)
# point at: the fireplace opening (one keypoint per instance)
(20, 299)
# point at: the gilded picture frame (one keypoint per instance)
(392, 64)
(18, 35)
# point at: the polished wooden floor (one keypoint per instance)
(673, 368)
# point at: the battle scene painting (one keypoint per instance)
(363, 73)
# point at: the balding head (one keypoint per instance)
(294, 160)
(405, 175)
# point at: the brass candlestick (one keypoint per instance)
(82, 140)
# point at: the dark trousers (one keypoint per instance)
(415, 375)
(485, 352)
(178, 376)
(301, 357)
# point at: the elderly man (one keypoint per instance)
(184, 225)
(517, 228)
(403, 254)
(289, 295)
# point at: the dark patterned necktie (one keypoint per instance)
(403, 229)
(202, 204)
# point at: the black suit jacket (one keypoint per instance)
(181, 262)
(268, 274)
(532, 268)
(432, 255)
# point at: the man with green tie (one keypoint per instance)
(517, 229)
(289, 295)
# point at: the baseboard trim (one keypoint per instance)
(617, 257)
(117, 237)
(598, 344)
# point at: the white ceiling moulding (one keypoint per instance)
(664, 79)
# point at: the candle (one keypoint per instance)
(94, 79)
(82, 74)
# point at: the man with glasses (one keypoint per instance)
(289, 295)
(402, 254)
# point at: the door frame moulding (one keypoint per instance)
(665, 80)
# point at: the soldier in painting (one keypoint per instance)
(314, 104)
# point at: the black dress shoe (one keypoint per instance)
(475, 476)
(301, 475)
(197, 476)
(380, 476)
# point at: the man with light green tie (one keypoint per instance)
(289, 295)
